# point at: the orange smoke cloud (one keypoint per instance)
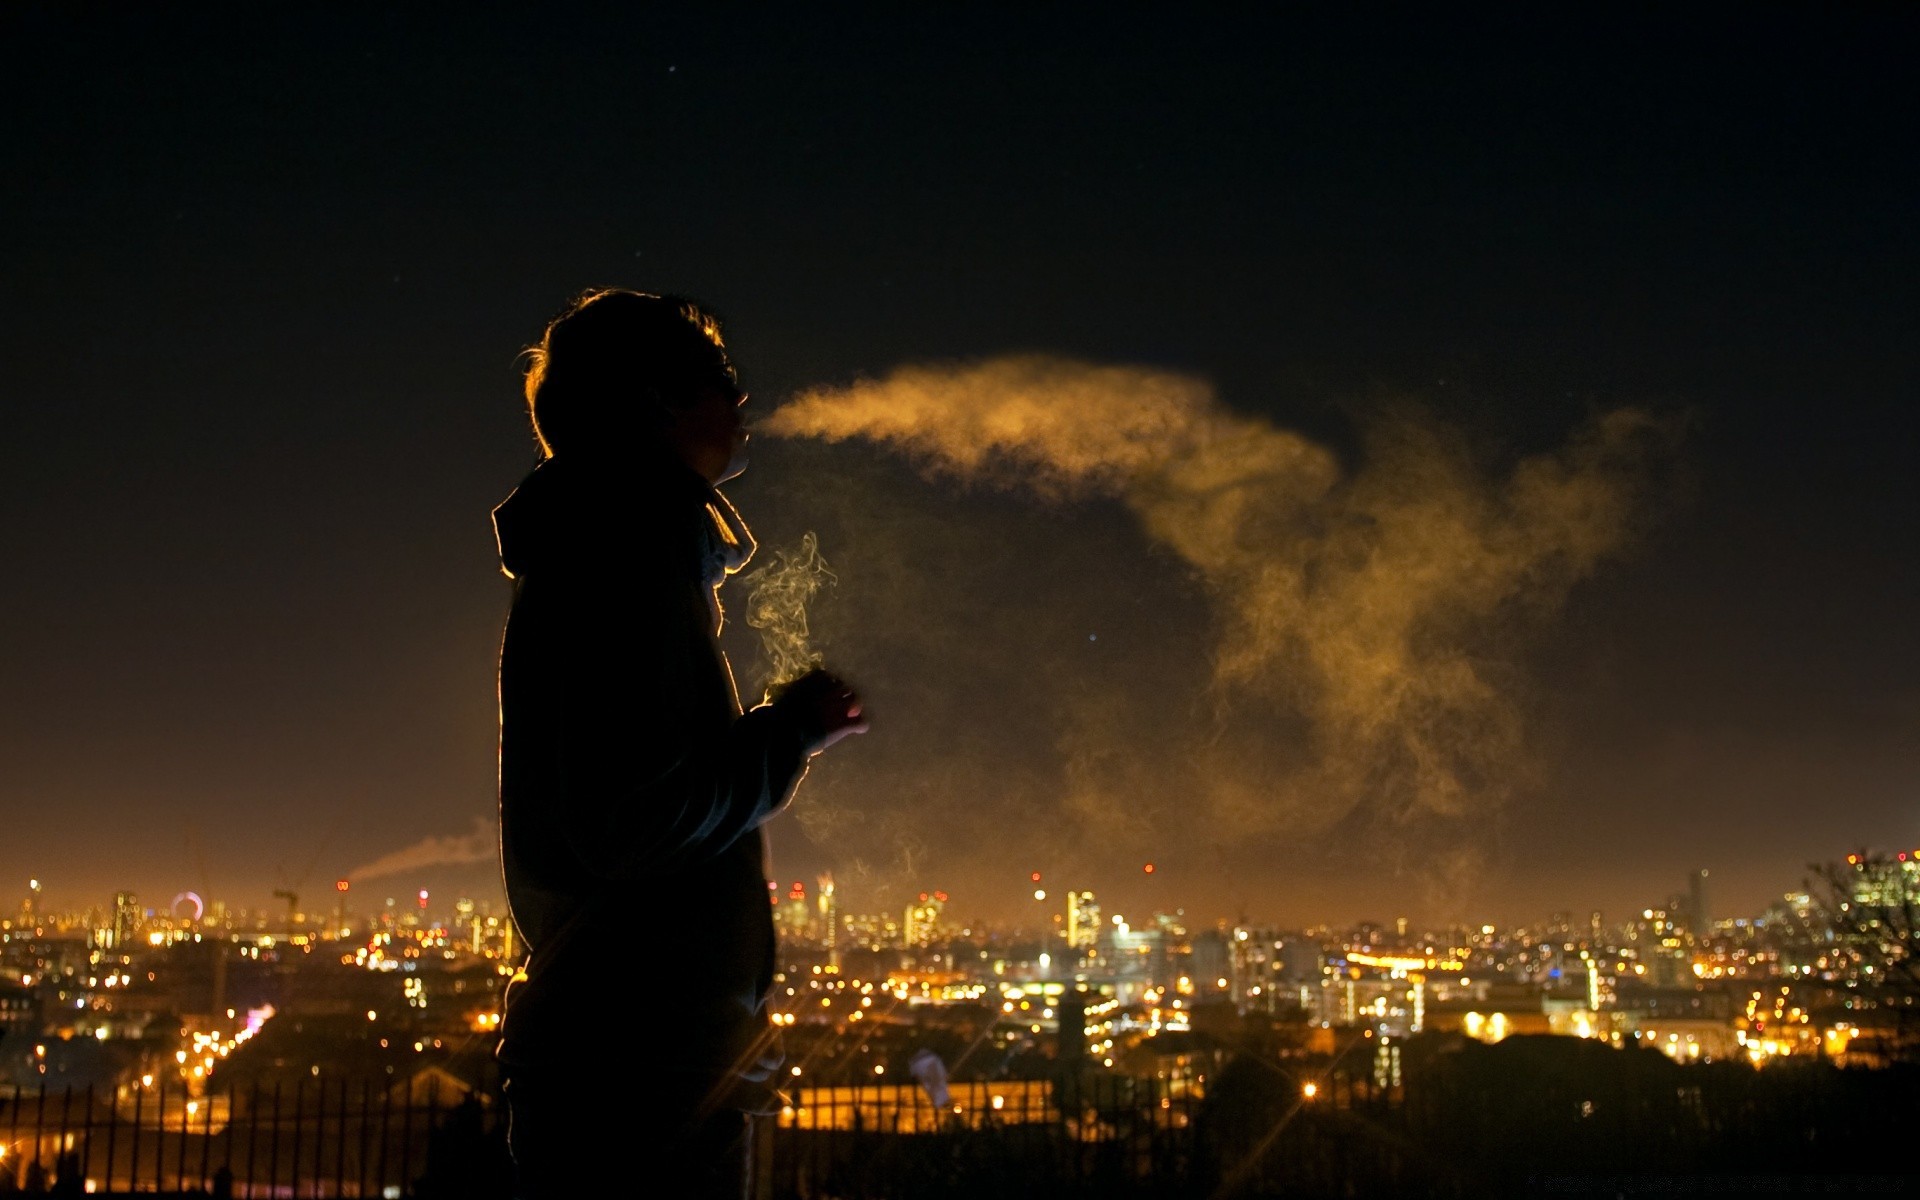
(1356, 604)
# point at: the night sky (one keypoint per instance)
(266, 271)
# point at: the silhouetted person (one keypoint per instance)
(632, 787)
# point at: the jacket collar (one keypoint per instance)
(579, 511)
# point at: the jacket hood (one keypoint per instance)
(572, 514)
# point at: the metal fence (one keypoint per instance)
(435, 1136)
(318, 1138)
(1475, 1121)
(1088, 1134)
(1014, 1137)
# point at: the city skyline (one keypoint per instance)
(1034, 904)
(1562, 542)
(1701, 987)
(326, 1048)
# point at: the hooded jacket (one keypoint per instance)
(632, 786)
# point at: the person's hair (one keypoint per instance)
(614, 363)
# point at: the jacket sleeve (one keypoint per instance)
(661, 768)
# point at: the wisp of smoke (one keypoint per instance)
(1352, 608)
(777, 598)
(478, 845)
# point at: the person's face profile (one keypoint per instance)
(710, 433)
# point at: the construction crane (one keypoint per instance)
(293, 906)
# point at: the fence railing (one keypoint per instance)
(317, 1138)
(435, 1135)
(869, 1139)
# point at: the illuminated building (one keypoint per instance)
(126, 922)
(829, 919)
(1885, 882)
(875, 931)
(1256, 970)
(1143, 958)
(793, 916)
(1083, 922)
(1490, 1026)
(1869, 938)
(922, 926)
(467, 920)
(19, 1010)
(1209, 962)
(1686, 1024)
(1389, 992)
(1660, 947)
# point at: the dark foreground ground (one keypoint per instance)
(1530, 1117)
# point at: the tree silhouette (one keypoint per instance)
(1870, 908)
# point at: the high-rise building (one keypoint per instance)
(793, 916)
(1083, 922)
(466, 920)
(1254, 957)
(1660, 945)
(922, 925)
(126, 921)
(1698, 917)
(1211, 963)
(1139, 956)
(829, 919)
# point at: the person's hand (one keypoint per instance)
(825, 706)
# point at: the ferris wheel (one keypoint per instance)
(190, 901)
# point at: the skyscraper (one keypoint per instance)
(1698, 917)
(923, 919)
(829, 919)
(126, 921)
(1083, 922)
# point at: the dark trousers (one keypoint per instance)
(574, 1136)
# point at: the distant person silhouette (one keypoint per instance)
(632, 787)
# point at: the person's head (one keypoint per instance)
(621, 373)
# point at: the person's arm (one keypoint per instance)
(660, 766)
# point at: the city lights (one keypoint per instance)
(859, 990)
